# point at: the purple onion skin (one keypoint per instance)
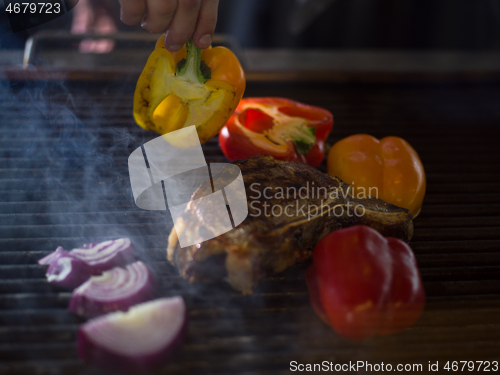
(57, 253)
(77, 274)
(121, 258)
(108, 360)
(82, 305)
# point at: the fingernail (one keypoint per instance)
(174, 47)
(205, 40)
(143, 21)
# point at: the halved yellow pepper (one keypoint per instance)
(188, 87)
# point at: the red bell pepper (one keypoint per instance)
(363, 284)
(283, 128)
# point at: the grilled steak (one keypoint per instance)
(291, 206)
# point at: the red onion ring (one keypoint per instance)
(98, 257)
(57, 253)
(105, 255)
(116, 289)
(141, 339)
(68, 271)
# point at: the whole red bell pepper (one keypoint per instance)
(283, 128)
(363, 284)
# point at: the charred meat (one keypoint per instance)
(291, 206)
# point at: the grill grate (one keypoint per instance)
(63, 181)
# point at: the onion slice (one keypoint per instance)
(57, 253)
(68, 271)
(99, 256)
(105, 255)
(116, 289)
(141, 339)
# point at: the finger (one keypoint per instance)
(205, 27)
(82, 18)
(104, 24)
(182, 27)
(104, 46)
(86, 46)
(132, 11)
(159, 16)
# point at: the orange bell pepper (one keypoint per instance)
(188, 87)
(389, 168)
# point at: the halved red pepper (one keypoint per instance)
(363, 284)
(283, 128)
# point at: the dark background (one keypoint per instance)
(356, 24)
(384, 24)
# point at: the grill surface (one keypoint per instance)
(64, 181)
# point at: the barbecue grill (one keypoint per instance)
(64, 182)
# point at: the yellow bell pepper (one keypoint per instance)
(188, 87)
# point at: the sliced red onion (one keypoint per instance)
(100, 256)
(57, 253)
(89, 245)
(141, 339)
(116, 289)
(68, 271)
(105, 255)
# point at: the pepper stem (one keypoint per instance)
(305, 140)
(192, 68)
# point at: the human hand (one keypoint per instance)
(182, 19)
(91, 16)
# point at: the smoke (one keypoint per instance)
(66, 150)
